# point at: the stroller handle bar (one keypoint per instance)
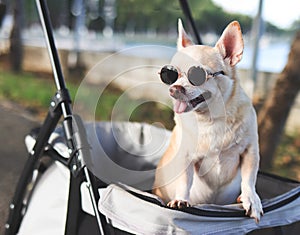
(53, 54)
(46, 25)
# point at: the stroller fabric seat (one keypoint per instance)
(123, 157)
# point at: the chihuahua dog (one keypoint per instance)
(213, 155)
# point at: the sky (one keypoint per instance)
(281, 13)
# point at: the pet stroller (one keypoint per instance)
(92, 178)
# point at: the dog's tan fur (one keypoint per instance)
(213, 156)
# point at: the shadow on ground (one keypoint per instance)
(15, 123)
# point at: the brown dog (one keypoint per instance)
(213, 156)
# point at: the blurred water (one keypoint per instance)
(272, 57)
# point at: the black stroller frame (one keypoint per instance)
(60, 106)
(79, 151)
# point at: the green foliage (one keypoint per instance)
(296, 25)
(26, 89)
(142, 16)
(162, 15)
(59, 11)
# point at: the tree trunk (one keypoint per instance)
(272, 117)
(16, 48)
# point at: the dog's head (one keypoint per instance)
(201, 75)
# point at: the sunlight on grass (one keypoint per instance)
(26, 89)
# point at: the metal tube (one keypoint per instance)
(187, 12)
(257, 33)
(93, 200)
(47, 28)
(54, 58)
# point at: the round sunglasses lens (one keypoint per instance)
(196, 75)
(168, 74)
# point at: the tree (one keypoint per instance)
(16, 48)
(2, 12)
(162, 15)
(274, 113)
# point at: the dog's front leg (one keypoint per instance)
(183, 185)
(249, 198)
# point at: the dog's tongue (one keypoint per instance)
(179, 106)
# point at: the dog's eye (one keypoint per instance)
(196, 75)
(168, 74)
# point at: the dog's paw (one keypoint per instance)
(252, 205)
(178, 204)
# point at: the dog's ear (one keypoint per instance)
(231, 44)
(183, 39)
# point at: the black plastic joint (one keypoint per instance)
(61, 96)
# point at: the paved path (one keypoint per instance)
(14, 125)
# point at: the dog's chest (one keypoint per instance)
(215, 150)
(205, 140)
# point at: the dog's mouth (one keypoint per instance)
(181, 106)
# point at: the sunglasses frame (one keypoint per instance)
(173, 69)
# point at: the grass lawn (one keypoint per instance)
(35, 94)
(26, 89)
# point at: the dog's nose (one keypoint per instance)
(176, 90)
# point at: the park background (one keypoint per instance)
(96, 38)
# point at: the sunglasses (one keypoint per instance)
(196, 75)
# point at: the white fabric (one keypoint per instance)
(86, 203)
(46, 213)
(137, 216)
